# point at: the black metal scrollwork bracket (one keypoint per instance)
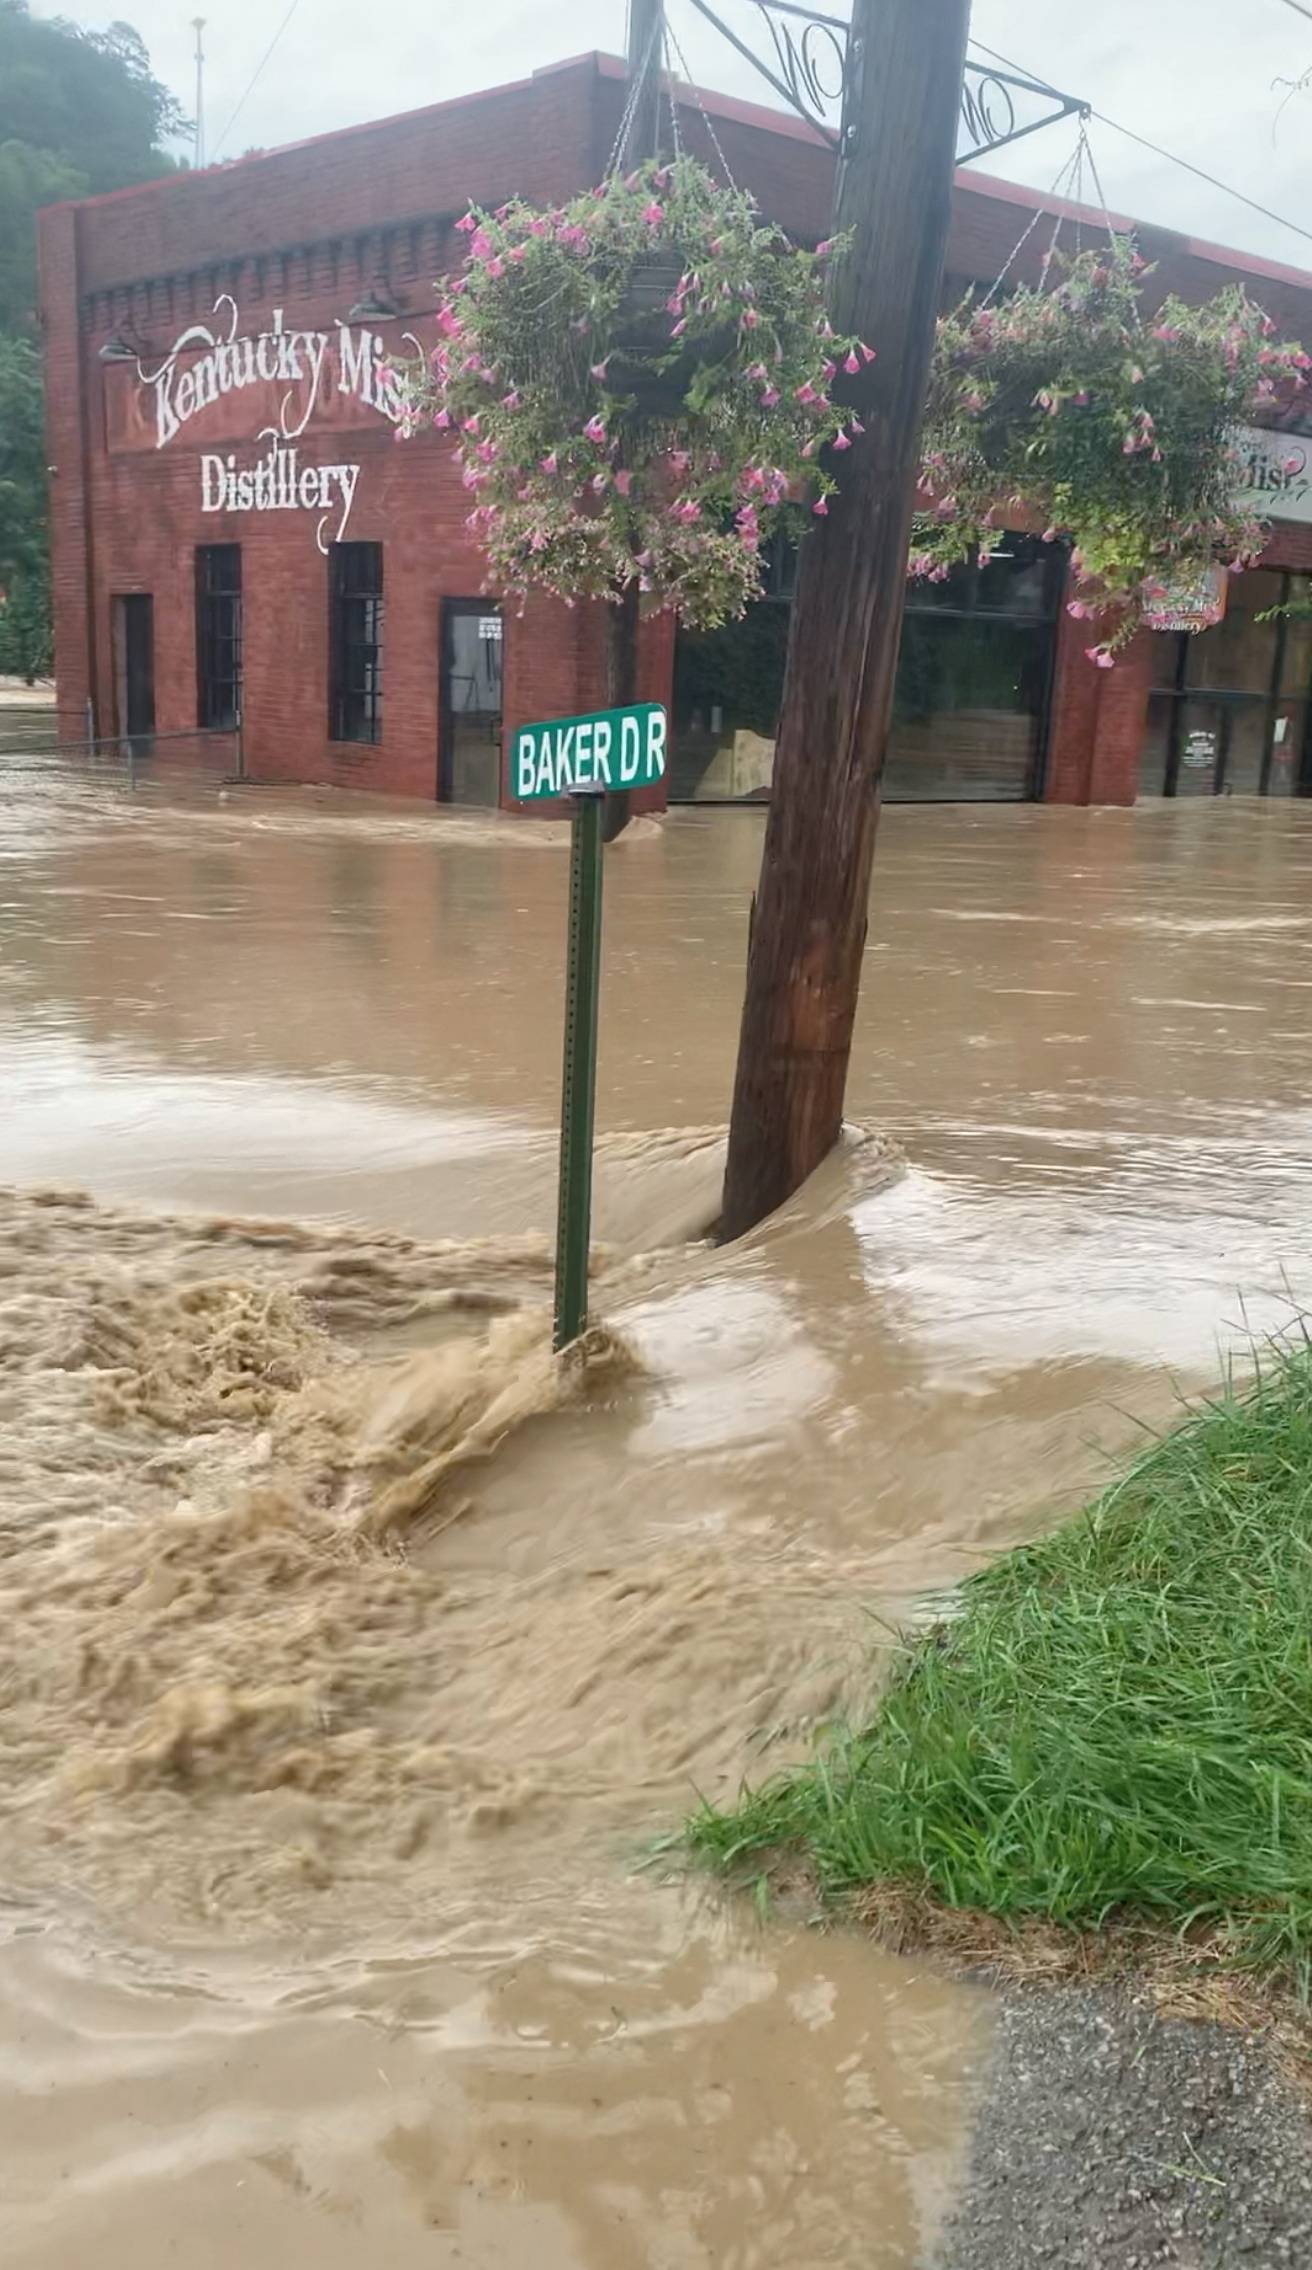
(812, 59)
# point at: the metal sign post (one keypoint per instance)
(579, 1084)
(583, 758)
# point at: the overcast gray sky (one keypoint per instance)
(1197, 76)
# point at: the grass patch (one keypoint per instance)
(1117, 1726)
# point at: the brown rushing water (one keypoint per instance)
(348, 1656)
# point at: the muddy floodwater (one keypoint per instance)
(351, 1656)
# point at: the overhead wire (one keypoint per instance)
(254, 79)
(1227, 188)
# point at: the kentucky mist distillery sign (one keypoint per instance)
(305, 374)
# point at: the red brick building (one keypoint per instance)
(234, 529)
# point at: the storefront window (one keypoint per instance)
(1230, 711)
(969, 704)
(1236, 655)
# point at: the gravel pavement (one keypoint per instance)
(1110, 2138)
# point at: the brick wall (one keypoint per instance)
(311, 229)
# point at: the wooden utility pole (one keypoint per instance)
(808, 934)
(646, 24)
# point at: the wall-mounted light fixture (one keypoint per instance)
(119, 348)
(378, 305)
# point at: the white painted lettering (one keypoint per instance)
(655, 744)
(355, 363)
(601, 741)
(525, 771)
(307, 495)
(348, 475)
(630, 750)
(245, 490)
(213, 482)
(185, 395)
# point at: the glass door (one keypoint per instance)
(1202, 734)
(1228, 713)
(469, 753)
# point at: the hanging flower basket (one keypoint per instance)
(638, 385)
(642, 367)
(1087, 416)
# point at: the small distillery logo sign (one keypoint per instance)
(203, 366)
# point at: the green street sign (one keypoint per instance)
(610, 748)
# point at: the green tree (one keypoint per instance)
(22, 456)
(80, 112)
(25, 640)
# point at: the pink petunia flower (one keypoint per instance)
(550, 463)
(851, 362)
(595, 430)
(821, 506)
(653, 214)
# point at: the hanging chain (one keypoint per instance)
(1087, 149)
(1028, 232)
(672, 89)
(697, 98)
(1070, 186)
(636, 85)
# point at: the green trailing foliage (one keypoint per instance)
(638, 386)
(1117, 1724)
(1105, 424)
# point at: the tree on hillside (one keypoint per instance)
(24, 578)
(22, 455)
(80, 111)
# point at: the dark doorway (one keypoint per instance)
(469, 748)
(134, 654)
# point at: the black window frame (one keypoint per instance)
(355, 642)
(218, 637)
(1176, 687)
